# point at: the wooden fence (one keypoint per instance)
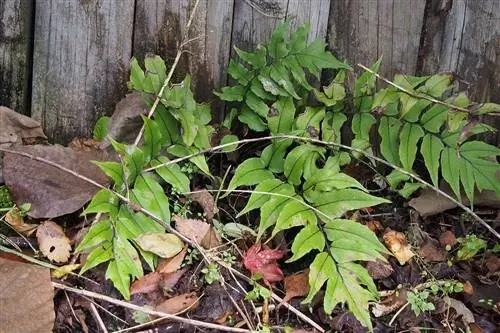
(65, 62)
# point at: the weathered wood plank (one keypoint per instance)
(363, 31)
(159, 29)
(15, 49)
(81, 59)
(464, 38)
(254, 20)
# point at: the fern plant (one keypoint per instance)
(178, 128)
(300, 184)
(411, 123)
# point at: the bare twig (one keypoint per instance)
(171, 71)
(413, 94)
(148, 311)
(338, 145)
(98, 318)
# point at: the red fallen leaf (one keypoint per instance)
(259, 260)
(296, 285)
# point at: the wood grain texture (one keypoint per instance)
(82, 50)
(254, 20)
(160, 27)
(363, 31)
(471, 47)
(464, 37)
(15, 49)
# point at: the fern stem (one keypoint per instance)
(339, 145)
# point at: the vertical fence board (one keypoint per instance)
(254, 20)
(80, 67)
(471, 47)
(160, 27)
(465, 39)
(15, 44)
(314, 12)
(363, 31)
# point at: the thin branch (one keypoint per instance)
(98, 318)
(338, 145)
(171, 71)
(412, 94)
(148, 311)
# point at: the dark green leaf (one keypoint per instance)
(250, 172)
(150, 195)
(281, 115)
(431, 150)
(102, 253)
(293, 214)
(104, 201)
(335, 203)
(98, 233)
(239, 72)
(232, 94)
(113, 170)
(450, 169)
(257, 199)
(409, 137)
(253, 120)
(273, 155)
(308, 239)
(309, 121)
(101, 128)
(295, 162)
(389, 133)
(434, 118)
(322, 268)
(172, 174)
(227, 139)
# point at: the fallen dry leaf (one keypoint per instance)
(262, 260)
(379, 269)
(375, 226)
(430, 250)
(16, 220)
(397, 243)
(390, 303)
(447, 238)
(163, 245)
(169, 280)
(15, 126)
(211, 240)
(193, 229)
(296, 285)
(468, 288)
(492, 263)
(460, 309)
(146, 284)
(178, 304)
(26, 300)
(84, 144)
(430, 203)
(475, 328)
(207, 202)
(53, 242)
(51, 191)
(126, 121)
(173, 264)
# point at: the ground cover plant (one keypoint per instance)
(168, 211)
